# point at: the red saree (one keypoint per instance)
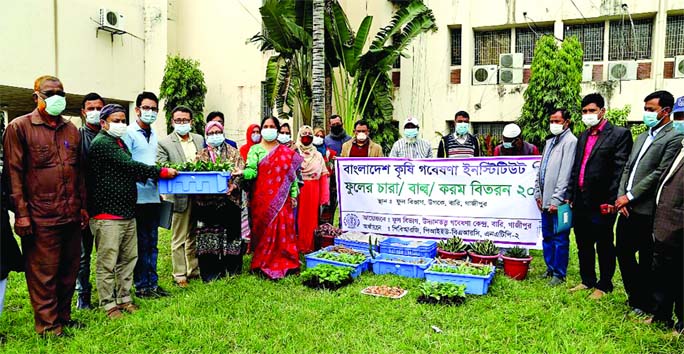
(273, 225)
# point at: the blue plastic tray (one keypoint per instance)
(196, 183)
(386, 264)
(475, 284)
(395, 245)
(355, 245)
(312, 261)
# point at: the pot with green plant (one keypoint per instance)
(441, 293)
(516, 263)
(453, 248)
(484, 252)
(327, 276)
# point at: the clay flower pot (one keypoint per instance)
(451, 255)
(476, 258)
(516, 268)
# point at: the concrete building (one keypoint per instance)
(61, 37)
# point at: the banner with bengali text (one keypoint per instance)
(474, 198)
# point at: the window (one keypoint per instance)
(674, 36)
(493, 129)
(455, 46)
(525, 40)
(591, 37)
(266, 110)
(627, 44)
(490, 44)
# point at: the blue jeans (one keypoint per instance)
(147, 221)
(556, 246)
(3, 285)
(83, 285)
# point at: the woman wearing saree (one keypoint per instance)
(315, 191)
(273, 168)
(218, 233)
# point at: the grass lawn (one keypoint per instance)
(248, 314)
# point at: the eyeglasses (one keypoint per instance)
(148, 108)
(52, 93)
(184, 121)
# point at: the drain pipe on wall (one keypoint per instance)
(55, 25)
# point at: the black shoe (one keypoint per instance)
(160, 292)
(144, 293)
(73, 324)
(83, 302)
(55, 334)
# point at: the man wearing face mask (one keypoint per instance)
(513, 144)
(141, 141)
(461, 143)
(112, 176)
(179, 147)
(48, 197)
(90, 110)
(602, 152)
(337, 136)
(652, 154)
(361, 145)
(410, 146)
(550, 191)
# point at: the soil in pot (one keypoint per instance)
(316, 283)
(451, 255)
(444, 300)
(516, 268)
(476, 258)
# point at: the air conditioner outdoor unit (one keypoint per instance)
(587, 72)
(679, 66)
(510, 76)
(111, 20)
(622, 70)
(484, 74)
(511, 60)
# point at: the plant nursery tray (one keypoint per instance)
(395, 245)
(475, 284)
(366, 291)
(196, 183)
(401, 265)
(312, 261)
(355, 245)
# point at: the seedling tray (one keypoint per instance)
(355, 245)
(401, 265)
(395, 245)
(365, 292)
(196, 183)
(312, 261)
(475, 284)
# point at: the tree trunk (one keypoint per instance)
(318, 64)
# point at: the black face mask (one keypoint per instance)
(336, 129)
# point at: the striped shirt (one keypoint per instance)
(451, 147)
(418, 149)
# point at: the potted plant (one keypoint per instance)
(516, 263)
(327, 276)
(484, 252)
(453, 248)
(441, 293)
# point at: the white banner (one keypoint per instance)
(474, 199)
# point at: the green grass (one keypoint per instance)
(248, 314)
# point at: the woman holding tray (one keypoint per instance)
(315, 191)
(273, 167)
(219, 243)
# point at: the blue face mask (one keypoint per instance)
(678, 126)
(411, 133)
(651, 119)
(507, 145)
(182, 129)
(148, 116)
(462, 128)
(215, 140)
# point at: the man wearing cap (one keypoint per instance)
(652, 153)
(461, 143)
(668, 232)
(513, 144)
(410, 146)
(43, 162)
(112, 176)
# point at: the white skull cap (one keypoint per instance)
(511, 131)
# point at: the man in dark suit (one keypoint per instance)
(668, 232)
(651, 155)
(602, 152)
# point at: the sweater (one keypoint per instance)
(112, 175)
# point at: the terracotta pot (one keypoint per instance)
(451, 255)
(516, 268)
(476, 258)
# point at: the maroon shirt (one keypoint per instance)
(359, 151)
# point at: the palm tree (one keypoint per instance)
(318, 70)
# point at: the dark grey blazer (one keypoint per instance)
(170, 150)
(668, 228)
(651, 167)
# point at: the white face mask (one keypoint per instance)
(117, 130)
(284, 138)
(317, 140)
(590, 120)
(556, 128)
(93, 117)
(361, 136)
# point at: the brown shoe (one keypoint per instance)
(579, 287)
(182, 283)
(114, 313)
(597, 294)
(129, 307)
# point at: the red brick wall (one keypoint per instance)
(668, 69)
(597, 72)
(526, 75)
(644, 71)
(396, 78)
(455, 76)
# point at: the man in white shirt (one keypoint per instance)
(411, 146)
